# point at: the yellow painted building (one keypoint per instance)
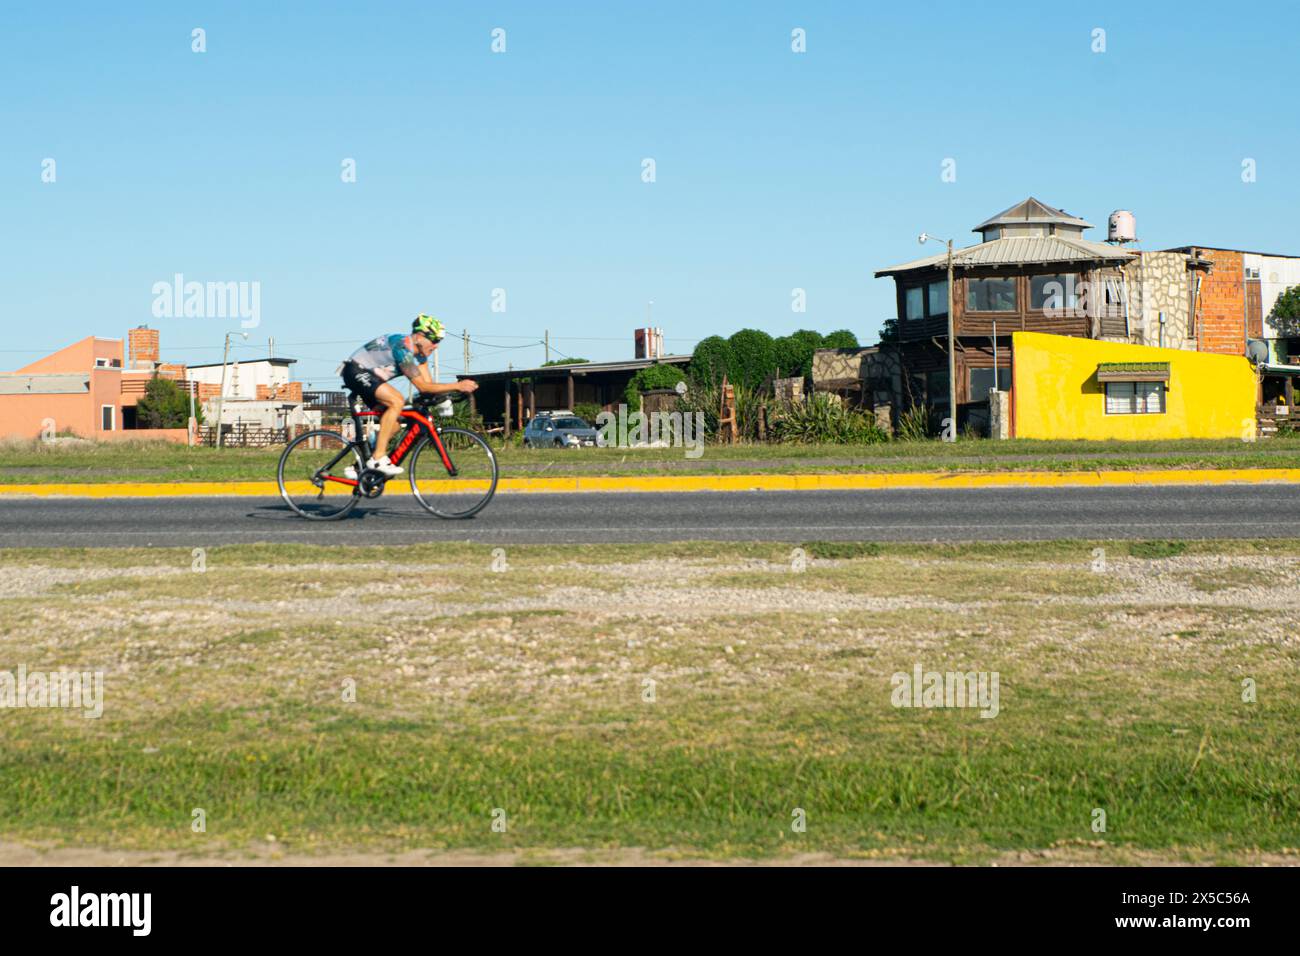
(1069, 387)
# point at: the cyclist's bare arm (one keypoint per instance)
(423, 381)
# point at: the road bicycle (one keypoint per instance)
(452, 471)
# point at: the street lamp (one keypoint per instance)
(221, 399)
(923, 238)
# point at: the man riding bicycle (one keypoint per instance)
(370, 369)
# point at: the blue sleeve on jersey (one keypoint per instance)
(403, 358)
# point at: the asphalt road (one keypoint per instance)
(993, 514)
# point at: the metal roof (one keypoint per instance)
(1032, 210)
(277, 360)
(51, 384)
(1019, 250)
(581, 368)
(1245, 252)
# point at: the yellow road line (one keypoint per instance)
(673, 483)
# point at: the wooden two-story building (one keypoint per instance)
(1032, 272)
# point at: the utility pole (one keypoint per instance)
(923, 238)
(547, 343)
(194, 422)
(465, 337)
(952, 352)
(221, 396)
(221, 399)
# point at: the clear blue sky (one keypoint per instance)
(522, 170)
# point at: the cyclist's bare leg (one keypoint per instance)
(391, 403)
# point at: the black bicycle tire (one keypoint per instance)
(343, 512)
(425, 442)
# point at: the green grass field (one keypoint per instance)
(31, 462)
(683, 701)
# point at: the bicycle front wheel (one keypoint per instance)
(312, 475)
(463, 491)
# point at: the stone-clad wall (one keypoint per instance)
(1159, 282)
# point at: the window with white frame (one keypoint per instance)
(107, 417)
(1135, 398)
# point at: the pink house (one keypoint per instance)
(82, 389)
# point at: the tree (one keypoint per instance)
(164, 405)
(1288, 304)
(794, 352)
(753, 357)
(841, 339)
(1286, 313)
(566, 361)
(710, 360)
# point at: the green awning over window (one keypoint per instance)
(1133, 372)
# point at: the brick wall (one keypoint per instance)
(208, 390)
(288, 392)
(143, 345)
(173, 371)
(1221, 309)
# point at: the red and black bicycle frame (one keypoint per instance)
(416, 424)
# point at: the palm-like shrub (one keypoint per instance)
(822, 420)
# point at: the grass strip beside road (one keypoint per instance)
(683, 698)
(25, 463)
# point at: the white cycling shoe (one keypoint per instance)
(384, 467)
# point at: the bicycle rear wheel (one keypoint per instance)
(311, 476)
(463, 494)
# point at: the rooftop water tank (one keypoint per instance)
(1121, 227)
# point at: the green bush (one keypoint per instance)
(164, 405)
(710, 360)
(822, 420)
(915, 424)
(840, 339)
(587, 411)
(650, 377)
(704, 397)
(753, 357)
(794, 352)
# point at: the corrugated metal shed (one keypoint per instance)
(1020, 250)
(54, 384)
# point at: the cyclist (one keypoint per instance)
(370, 369)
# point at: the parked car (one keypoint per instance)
(560, 429)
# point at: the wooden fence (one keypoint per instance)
(237, 435)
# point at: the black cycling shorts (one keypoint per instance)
(362, 381)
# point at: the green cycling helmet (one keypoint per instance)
(428, 325)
